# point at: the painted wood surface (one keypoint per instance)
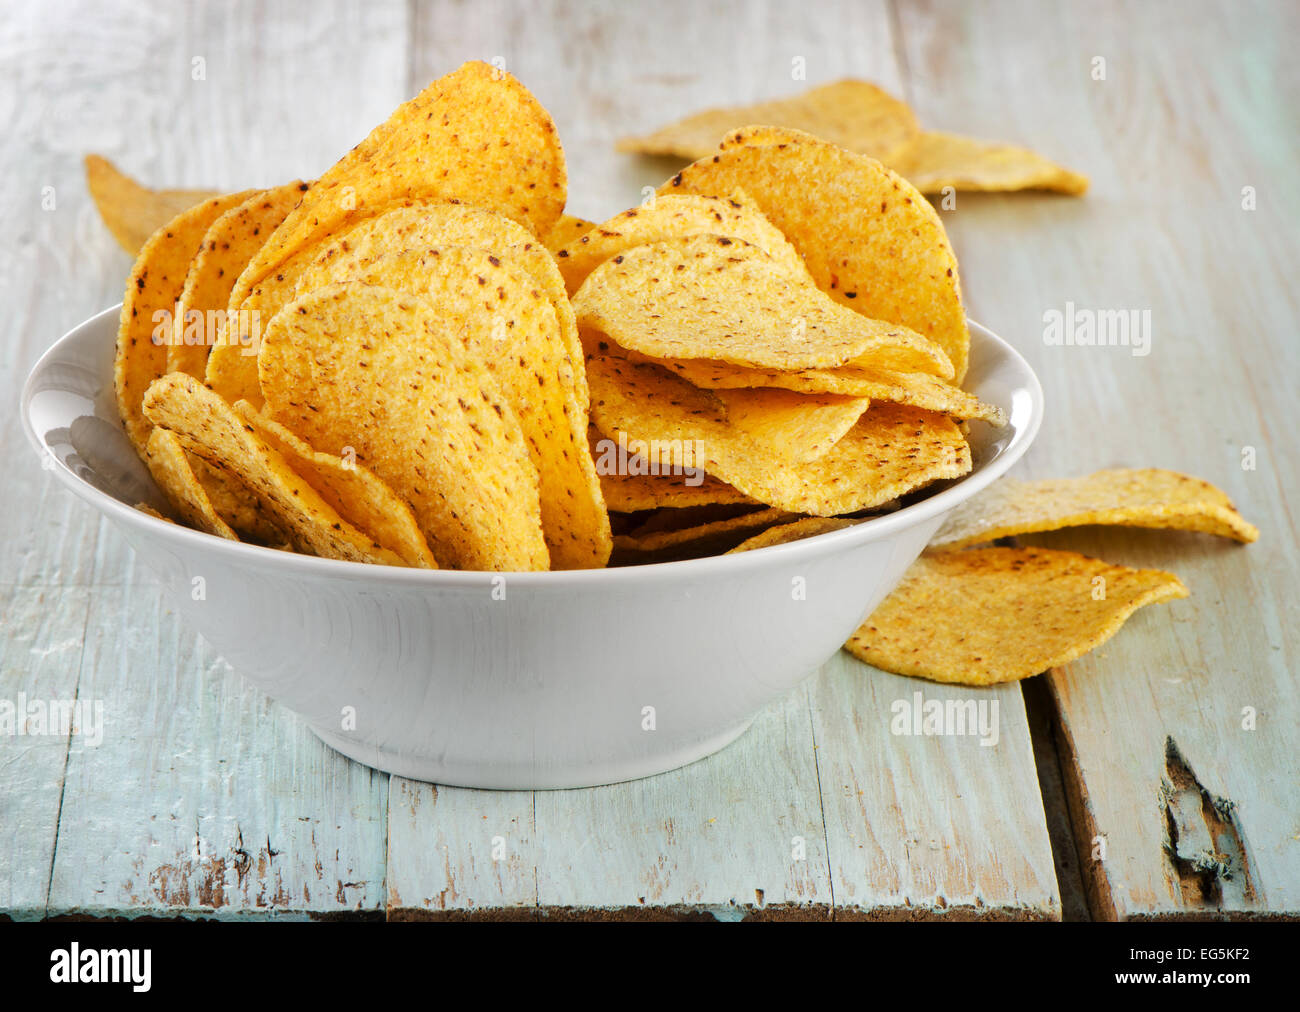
(206, 799)
(1198, 104)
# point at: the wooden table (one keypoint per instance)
(206, 799)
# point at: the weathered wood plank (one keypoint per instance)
(1196, 106)
(205, 797)
(40, 656)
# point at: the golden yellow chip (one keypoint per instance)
(208, 426)
(892, 450)
(797, 530)
(856, 115)
(388, 374)
(675, 216)
(707, 296)
(1148, 497)
(355, 492)
(661, 540)
(791, 426)
(512, 327)
(867, 236)
(228, 245)
(420, 226)
(566, 230)
(165, 456)
(875, 382)
(476, 135)
(991, 615)
(145, 327)
(934, 160)
(234, 503)
(133, 212)
(630, 485)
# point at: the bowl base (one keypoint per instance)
(547, 777)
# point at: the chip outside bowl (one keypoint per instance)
(511, 681)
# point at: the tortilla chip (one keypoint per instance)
(1148, 497)
(892, 450)
(711, 538)
(867, 236)
(566, 230)
(356, 493)
(675, 216)
(228, 245)
(152, 289)
(797, 530)
(707, 296)
(934, 160)
(166, 459)
(633, 493)
(792, 426)
(512, 327)
(991, 615)
(855, 115)
(388, 374)
(476, 135)
(133, 212)
(234, 503)
(208, 426)
(877, 383)
(421, 226)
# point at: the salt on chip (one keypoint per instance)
(875, 382)
(723, 299)
(167, 462)
(1146, 497)
(796, 530)
(867, 236)
(893, 449)
(355, 492)
(131, 211)
(674, 216)
(856, 115)
(934, 160)
(225, 250)
(476, 135)
(388, 374)
(145, 325)
(990, 615)
(208, 426)
(511, 325)
(792, 426)
(420, 226)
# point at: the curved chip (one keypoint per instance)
(791, 426)
(145, 326)
(568, 229)
(892, 449)
(133, 212)
(990, 615)
(225, 250)
(476, 135)
(355, 492)
(796, 530)
(710, 532)
(712, 297)
(867, 236)
(1147, 497)
(421, 226)
(674, 216)
(934, 160)
(854, 114)
(208, 426)
(875, 382)
(167, 461)
(388, 374)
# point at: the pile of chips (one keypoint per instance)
(861, 117)
(420, 360)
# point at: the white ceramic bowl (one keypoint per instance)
(548, 687)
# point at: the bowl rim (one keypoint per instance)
(258, 557)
